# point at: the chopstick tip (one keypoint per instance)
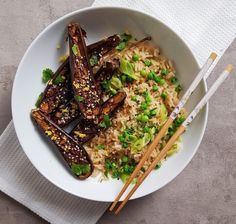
(213, 56)
(229, 68)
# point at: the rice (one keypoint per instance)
(126, 116)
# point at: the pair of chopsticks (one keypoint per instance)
(178, 132)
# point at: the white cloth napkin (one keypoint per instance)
(20, 180)
(204, 25)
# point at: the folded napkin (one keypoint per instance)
(204, 25)
(20, 180)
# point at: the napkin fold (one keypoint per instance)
(21, 181)
(205, 26)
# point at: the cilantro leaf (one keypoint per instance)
(47, 75)
(121, 46)
(105, 84)
(125, 37)
(40, 97)
(79, 169)
(106, 123)
(58, 80)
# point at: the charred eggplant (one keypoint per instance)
(83, 82)
(58, 90)
(74, 154)
(85, 130)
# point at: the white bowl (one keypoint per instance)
(42, 53)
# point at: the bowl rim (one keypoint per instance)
(88, 9)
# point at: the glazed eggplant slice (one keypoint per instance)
(66, 113)
(83, 82)
(100, 48)
(85, 130)
(58, 90)
(64, 109)
(74, 154)
(105, 72)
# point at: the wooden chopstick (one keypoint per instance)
(179, 131)
(167, 124)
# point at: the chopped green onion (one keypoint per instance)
(131, 138)
(108, 164)
(79, 98)
(123, 78)
(135, 57)
(93, 60)
(155, 88)
(100, 146)
(124, 159)
(170, 131)
(147, 62)
(134, 98)
(38, 101)
(164, 95)
(105, 85)
(157, 166)
(143, 169)
(75, 49)
(178, 88)
(121, 138)
(173, 80)
(145, 93)
(125, 37)
(153, 112)
(128, 169)
(178, 121)
(144, 106)
(125, 145)
(156, 78)
(47, 74)
(151, 75)
(115, 174)
(113, 91)
(146, 129)
(106, 123)
(129, 79)
(164, 72)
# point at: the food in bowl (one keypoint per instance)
(120, 92)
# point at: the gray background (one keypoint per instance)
(204, 193)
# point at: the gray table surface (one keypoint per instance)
(204, 193)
